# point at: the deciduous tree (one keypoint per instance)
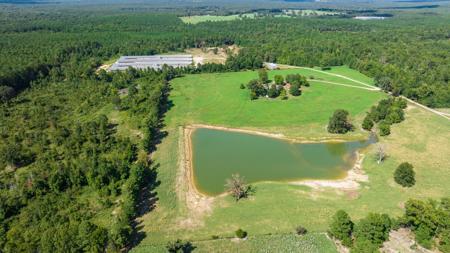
(342, 227)
(339, 123)
(237, 186)
(404, 175)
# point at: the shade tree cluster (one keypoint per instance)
(365, 236)
(429, 221)
(279, 87)
(388, 111)
(339, 122)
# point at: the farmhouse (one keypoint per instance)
(152, 62)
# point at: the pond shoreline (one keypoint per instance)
(273, 135)
(197, 200)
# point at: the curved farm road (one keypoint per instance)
(370, 87)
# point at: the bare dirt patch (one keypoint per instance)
(272, 135)
(212, 54)
(349, 184)
(402, 241)
(104, 67)
(198, 204)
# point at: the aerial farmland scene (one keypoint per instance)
(225, 126)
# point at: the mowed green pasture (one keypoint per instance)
(216, 99)
(277, 208)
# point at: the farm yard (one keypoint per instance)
(224, 126)
(276, 208)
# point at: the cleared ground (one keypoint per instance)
(205, 18)
(209, 55)
(277, 208)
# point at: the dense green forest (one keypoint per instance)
(406, 59)
(63, 163)
(65, 170)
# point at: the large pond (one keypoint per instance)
(218, 154)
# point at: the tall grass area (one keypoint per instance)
(277, 208)
(311, 243)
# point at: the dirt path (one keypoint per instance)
(341, 76)
(371, 87)
(442, 114)
(348, 85)
(402, 240)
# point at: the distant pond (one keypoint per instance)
(217, 154)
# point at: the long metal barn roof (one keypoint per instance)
(152, 61)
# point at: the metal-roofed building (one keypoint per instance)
(152, 61)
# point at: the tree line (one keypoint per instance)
(429, 221)
(405, 56)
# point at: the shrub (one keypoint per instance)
(273, 91)
(444, 241)
(363, 245)
(279, 79)
(395, 115)
(404, 175)
(116, 102)
(401, 103)
(341, 228)
(283, 94)
(367, 123)
(263, 77)
(339, 123)
(215, 237)
(295, 90)
(253, 95)
(242, 86)
(374, 228)
(301, 230)
(424, 236)
(385, 128)
(179, 246)
(241, 233)
(6, 93)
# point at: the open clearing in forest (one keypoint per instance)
(277, 208)
(211, 18)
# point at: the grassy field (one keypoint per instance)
(277, 208)
(217, 100)
(206, 18)
(312, 12)
(311, 243)
(212, 18)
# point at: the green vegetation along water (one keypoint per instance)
(218, 154)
